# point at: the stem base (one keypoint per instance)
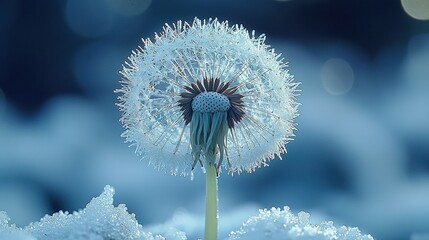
(211, 203)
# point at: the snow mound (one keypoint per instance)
(283, 224)
(99, 220)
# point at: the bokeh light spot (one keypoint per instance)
(89, 18)
(129, 7)
(418, 9)
(337, 76)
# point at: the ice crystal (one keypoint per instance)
(99, 220)
(211, 62)
(283, 224)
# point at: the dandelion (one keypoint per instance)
(207, 94)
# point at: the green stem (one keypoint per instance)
(211, 203)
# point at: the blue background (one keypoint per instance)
(360, 157)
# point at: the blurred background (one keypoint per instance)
(360, 157)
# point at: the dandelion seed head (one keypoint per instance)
(207, 92)
(210, 102)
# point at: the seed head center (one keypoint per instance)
(210, 102)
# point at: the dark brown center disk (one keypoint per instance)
(235, 113)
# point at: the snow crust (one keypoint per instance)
(101, 220)
(283, 224)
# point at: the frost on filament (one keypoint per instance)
(209, 61)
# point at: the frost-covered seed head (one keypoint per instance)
(205, 91)
(210, 102)
(212, 86)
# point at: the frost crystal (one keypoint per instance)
(209, 62)
(99, 220)
(283, 224)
